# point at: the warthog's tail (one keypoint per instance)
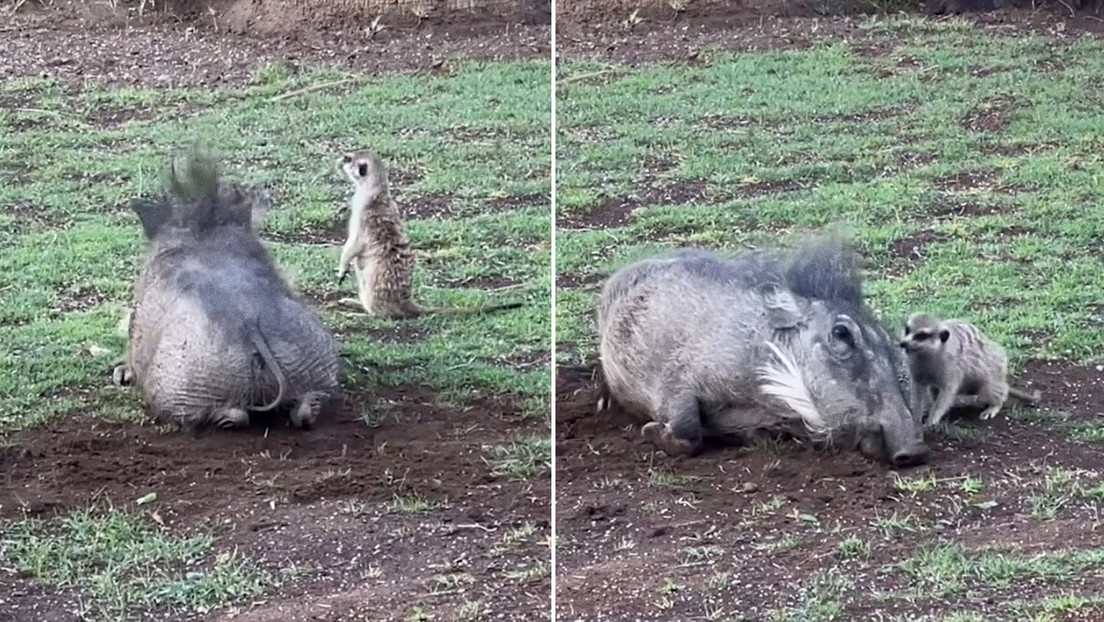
(1030, 398)
(270, 361)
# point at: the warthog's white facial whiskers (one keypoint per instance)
(782, 379)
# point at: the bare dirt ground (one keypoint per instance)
(314, 500)
(602, 35)
(320, 503)
(635, 527)
(80, 41)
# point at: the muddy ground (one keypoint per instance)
(318, 501)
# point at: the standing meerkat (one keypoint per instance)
(378, 250)
(954, 359)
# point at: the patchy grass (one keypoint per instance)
(72, 250)
(966, 165)
(124, 564)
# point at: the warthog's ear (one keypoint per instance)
(153, 214)
(782, 309)
(263, 200)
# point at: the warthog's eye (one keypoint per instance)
(841, 332)
(362, 170)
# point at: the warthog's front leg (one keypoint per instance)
(681, 432)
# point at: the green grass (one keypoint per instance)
(948, 569)
(468, 140)
(123, 564)
(869, 143)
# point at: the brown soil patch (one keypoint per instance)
(440, 206)
(30, 217)
(1075, 391)
(967, 180)
(948, 206)
(765, 188)
(573, 281)
(598, 32)
(617, 212)
(990, 116)
(911, 249)
(318, 499)
(79, 299)
(76, 41)
(741, 529)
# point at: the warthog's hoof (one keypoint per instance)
(306, 413)
(121, 376)
(660, 435)
(229, 418)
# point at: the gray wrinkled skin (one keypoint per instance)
(214, 331)
(706, 346)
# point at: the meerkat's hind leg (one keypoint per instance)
(996, 393)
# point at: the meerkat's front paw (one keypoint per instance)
(988, 413)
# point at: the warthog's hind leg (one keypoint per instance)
(226, 417)
(121, 376)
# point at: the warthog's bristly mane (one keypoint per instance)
(196, 198)
(826, 269)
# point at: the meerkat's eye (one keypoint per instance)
(921, 336)
(362, 169)
(347, 158)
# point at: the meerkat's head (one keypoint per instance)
(363, 166)
(924, 332)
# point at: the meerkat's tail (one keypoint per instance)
(470, 310)
(1030, 398)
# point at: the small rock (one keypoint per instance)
(749, 487)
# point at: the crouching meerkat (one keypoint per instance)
(378, 250)
(956, 361)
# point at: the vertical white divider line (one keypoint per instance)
(552, 364)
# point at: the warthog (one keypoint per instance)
(706, 346)
(214, 330)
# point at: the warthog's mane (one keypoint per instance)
(196, 198)
(826, 269)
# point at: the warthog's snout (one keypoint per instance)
(911, 456)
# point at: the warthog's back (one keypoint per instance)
(683, 317)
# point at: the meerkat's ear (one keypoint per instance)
(944, 335)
